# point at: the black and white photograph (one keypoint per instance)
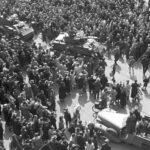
(74, 74)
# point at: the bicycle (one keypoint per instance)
(97, 107)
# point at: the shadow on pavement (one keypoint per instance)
(138, 66)
(91, 98)
(62, 106)
(118, 68)
(68, 101)
(7, 134)
(122, 60)
(73, 94)
(83, 99)
(133, 77)
(147, 94)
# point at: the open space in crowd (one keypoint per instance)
(32, 74)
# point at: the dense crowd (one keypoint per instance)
(30, 75)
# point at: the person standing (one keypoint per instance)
(131, 63)
(134, 90)
(80, 83)
(104, 81)
(131, 123)
(145, 83)
(62, 91)
(127, 89)
(1, 131)
(91, 81)
(67, 117)
(67, 84)
(61, 123)
(113, 72)
(78, 69)
(145, 64)
(117, 54)
(123, 98)
(113, 94)
(53, 120)
(80, 140)
(97, 87)
(76, 116)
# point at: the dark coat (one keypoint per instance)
(80, 141)
(123, 99)
(118, 92)
(62, 91)
(80, 82)
(91, 83)
(67, 85)
(67, 116)
(134, 90)
(1, 131)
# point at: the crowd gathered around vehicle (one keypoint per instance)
(30, 75)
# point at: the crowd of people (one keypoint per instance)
(30, 75)
(122, 25)
(138, 124)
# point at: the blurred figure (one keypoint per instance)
(145, 83)
(116, 54)
(89, 145)
(134, 90)
(61, 123)
(1, 130)
(97, 88)
(131, 63)
(67, 117)
(106, 145)
(127, 89)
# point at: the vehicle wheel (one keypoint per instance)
(113, 135)
(94, 109)
(112, 131)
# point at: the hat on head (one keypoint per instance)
(80, 132)
(106, 140)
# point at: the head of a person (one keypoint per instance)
(60, 118)
(80, 122)
(66, 110)
(80, 133)
(127, 81)
(107, 141)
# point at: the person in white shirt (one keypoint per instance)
(72, 139)
(78, 69)
(61, 66)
